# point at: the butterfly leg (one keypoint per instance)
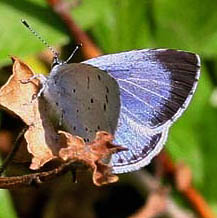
(43, 81)
(41, 77)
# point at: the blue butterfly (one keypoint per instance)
(156, 86)
(135, 95)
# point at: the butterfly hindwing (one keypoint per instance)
(155, 88)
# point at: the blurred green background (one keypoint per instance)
(118, 25)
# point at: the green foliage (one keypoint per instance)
(6, 206)
(118, 25)
(187, 25)
(15, 39)
(124, 26)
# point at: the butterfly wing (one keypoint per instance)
(82, 100)
(156, 86)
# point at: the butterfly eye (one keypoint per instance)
(56, 62)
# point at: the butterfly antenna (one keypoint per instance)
(75, 50)
(55, 53)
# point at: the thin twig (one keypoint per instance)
(14, 182)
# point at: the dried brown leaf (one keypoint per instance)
(43, 142)
(92, 154)
(16, 97)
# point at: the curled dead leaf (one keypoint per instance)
(92, 154)
(43, 142)
(16, 97)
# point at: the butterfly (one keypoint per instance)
(135, 95)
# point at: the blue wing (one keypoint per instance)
(155, 88)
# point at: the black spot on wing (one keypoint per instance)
(106, 97)
(104, 107)
(88, 82)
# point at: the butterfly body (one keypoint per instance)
(136, 96)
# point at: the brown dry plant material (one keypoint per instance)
(17, 97)
(43, 141)
(91, 154)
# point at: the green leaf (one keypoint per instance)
(187, 25)
(124, 26)
(6, 205)
(17, 40)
